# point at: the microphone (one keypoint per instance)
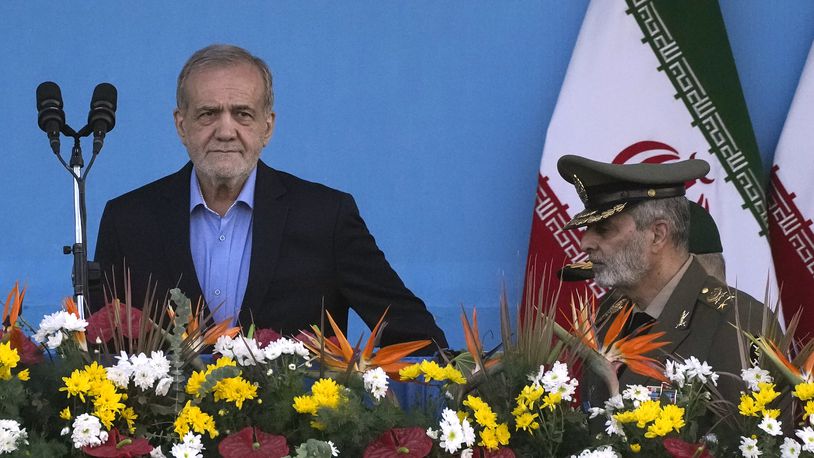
(50, 117)
(102, 115)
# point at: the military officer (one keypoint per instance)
(637, 240)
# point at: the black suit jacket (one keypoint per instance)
(309, 246)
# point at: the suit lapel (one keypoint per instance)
(269, 218)
(174, 211)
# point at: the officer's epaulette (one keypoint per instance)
(717, 295)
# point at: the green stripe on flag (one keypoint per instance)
(706, 80)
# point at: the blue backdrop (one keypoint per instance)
(432, 114)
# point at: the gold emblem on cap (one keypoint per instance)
(583, 194)
(651, 193)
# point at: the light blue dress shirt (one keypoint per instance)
(221, 248)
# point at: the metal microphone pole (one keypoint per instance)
(80, 254)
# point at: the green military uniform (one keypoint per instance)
(698, 321)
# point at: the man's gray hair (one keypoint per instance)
(673, 210)
(222, 56)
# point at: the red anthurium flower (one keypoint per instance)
(677, 448)
(483, 452)
(266, 336)
(102, 323)
(251, 442)
(400, 443)
(118, 446)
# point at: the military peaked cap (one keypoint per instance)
(608, 189)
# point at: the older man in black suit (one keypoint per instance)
(259, 245)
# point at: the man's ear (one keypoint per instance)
(661, 234)
(179, 125)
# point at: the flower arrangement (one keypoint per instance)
(128, 382)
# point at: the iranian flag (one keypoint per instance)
(791, 204)
(655, 81)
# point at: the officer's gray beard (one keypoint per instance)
(626, 267)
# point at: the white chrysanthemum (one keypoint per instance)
(594, 412)
(452, 436)
(613, 427)
(160, 364)
(376, 382)
(806, 436)
(11, 436)
(87, 431)
(334, 450)
(467, 453)
(614, 402)
(190, 447)
(244, 351)
(143, 374)
(602, 452)
(432, 433)
(749, 448)
(55, 340)
(790, 448)
(73, 323)
(157, 453)
(49, 325)
(636, 393)
(163, 386)
(567, 390)
(675, 373)
(556, 377)
(755, 375)
(771, 426)
(700, 371)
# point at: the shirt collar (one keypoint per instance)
(655, 307)
(246, 193)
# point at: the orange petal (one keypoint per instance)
(395, 352)
(347, 350)
(371, 341)
(648, 370)
(220, 329)
(616, 326)
(471, 337)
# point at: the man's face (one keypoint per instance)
(225, 124)
(617, 250)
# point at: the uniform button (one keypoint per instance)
(222, 237)
(705, 291)
(217, 292)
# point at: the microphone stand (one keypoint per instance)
(79, 275)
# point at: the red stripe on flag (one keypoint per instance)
(792, 244)
(550, 248)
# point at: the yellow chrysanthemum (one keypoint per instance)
(195, 381)
(483, 413)
(647, 412)
(526, 422)
(503, 434)
(8, 356)
(766, 394)
(129, 415)
(65, 413)
(96, 372)
(748, 407)
(530, 395)
(192, 417)
(432, 371)
(78, 384)
(804, 391)
(24, 375)
(306, 404)
(410, 372)
(626, 416)
(488, 438)
(635, 448)
(660, 427)
(454, 375)
(771, 413)
(236, 390)
(809, 410)
(551, 400)
(326, 392)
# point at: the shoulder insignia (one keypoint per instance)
(719, 297)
